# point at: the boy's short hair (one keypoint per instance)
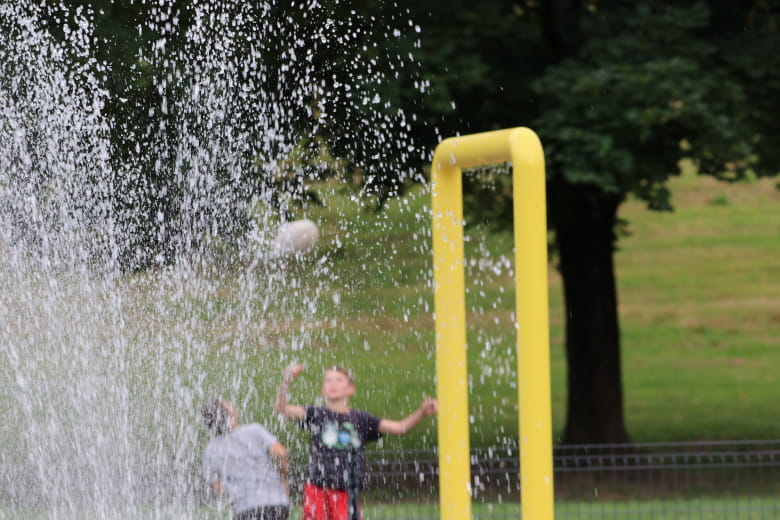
(215, 417)
(341, 370)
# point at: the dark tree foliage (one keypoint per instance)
(121, 31)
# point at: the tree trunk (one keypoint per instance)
(584, 218)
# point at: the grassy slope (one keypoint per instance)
(700, 303)
(699, 294)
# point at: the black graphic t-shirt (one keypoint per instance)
(337, 446)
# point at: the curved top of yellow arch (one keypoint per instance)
(470, 151)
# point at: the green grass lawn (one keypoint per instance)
(700, 308)
(705, 509)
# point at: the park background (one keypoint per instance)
(625, 97)
(659, 127)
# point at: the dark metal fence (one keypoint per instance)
(684, 480)
(690, 480)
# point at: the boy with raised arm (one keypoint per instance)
(338, 437)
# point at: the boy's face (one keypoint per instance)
(336, 386)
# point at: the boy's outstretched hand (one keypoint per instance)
(293, 371)
(429, 406)
(280, 405)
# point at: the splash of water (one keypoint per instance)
(102, 372)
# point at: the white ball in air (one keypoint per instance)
(296, 237)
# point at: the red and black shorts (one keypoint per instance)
(325, 504)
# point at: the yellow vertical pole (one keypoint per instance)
(522, 147)
(531, 304)
(450, 317)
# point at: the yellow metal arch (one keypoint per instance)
(522, 147)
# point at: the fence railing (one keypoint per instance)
(683, 480)
(690, 480)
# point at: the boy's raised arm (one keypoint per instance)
(428, 407)
(280, 405)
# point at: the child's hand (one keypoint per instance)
(429, 406)
(293, 371)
